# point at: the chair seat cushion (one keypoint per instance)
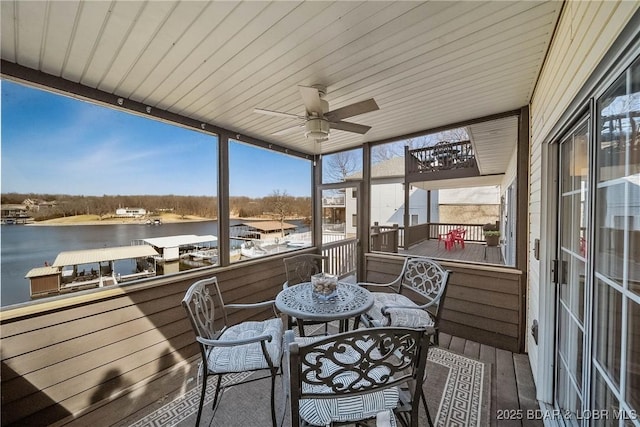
(247, 357)
(410, 318)
(321, 412)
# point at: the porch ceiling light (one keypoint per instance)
(316, 128)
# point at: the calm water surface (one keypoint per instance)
(26, 247)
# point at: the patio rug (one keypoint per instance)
(458, 393)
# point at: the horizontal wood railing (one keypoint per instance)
(104, 354)
(385, 239)
(483, 303)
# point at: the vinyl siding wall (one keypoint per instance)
(584, 34)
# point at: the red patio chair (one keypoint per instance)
(448, 239)
(458, 236)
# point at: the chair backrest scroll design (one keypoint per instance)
(358, 362)
(428, 279)
(300, 268)
(200, 306)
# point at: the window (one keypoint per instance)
(269, 202)
(435, 206)
(113, 179)
(354, 220)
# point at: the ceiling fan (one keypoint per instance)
(318, 120)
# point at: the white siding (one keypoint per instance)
(584, 34)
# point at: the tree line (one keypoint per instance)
(49, 206)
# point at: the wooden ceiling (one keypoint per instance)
(427, 64)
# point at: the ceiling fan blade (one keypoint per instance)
(311, 99)
(352, 110)
(278, 114)
(289, 130)
(350, 127)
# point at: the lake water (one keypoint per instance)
(26, 247)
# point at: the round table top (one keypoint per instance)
(299, 301)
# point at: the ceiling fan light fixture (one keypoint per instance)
(316, 128)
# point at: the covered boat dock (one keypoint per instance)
(54, 279)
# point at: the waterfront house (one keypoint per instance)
(131, 212)
(545, 89)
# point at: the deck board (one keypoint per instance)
(512, 385)
(472, 349)
(457, 344)
(472, 252)
(507, 392)
(526, 389)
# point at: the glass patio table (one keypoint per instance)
(301, 302)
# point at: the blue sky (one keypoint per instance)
(59, 145)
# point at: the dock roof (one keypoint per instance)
(175, 241)
(103, 254)
(42, 271)
(268, 225)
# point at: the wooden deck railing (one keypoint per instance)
(418, 233)
(385, 239)
(483, 303)
(342, 257)
(473, 231)
(106, 353)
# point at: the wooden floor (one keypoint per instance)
(472, 252)
(513, 392)
(512, 387)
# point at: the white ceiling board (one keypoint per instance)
(427, 64)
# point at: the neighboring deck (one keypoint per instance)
(512, 386)
(472, 252)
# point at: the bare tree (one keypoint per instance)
(340, 165)
(381, 153)
(279, 205)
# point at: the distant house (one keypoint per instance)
(13, 211)
(36, 205)
(131, 212)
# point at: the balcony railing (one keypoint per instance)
(444, 160)
(343, 257)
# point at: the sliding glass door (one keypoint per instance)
(571, 270)
(597, 358)
(616, 258)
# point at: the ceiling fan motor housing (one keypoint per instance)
(316, 128)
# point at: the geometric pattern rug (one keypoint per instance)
(457, 390)
(465, 396)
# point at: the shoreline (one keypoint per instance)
(72, 221)
(93, 220)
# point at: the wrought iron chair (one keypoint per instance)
(421, 278)
(358, 375)
(299, 269)
(247, 346)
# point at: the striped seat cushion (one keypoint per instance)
(400, 317)
(247, 357)
(323, 411)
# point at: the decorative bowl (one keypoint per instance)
(324, 286)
